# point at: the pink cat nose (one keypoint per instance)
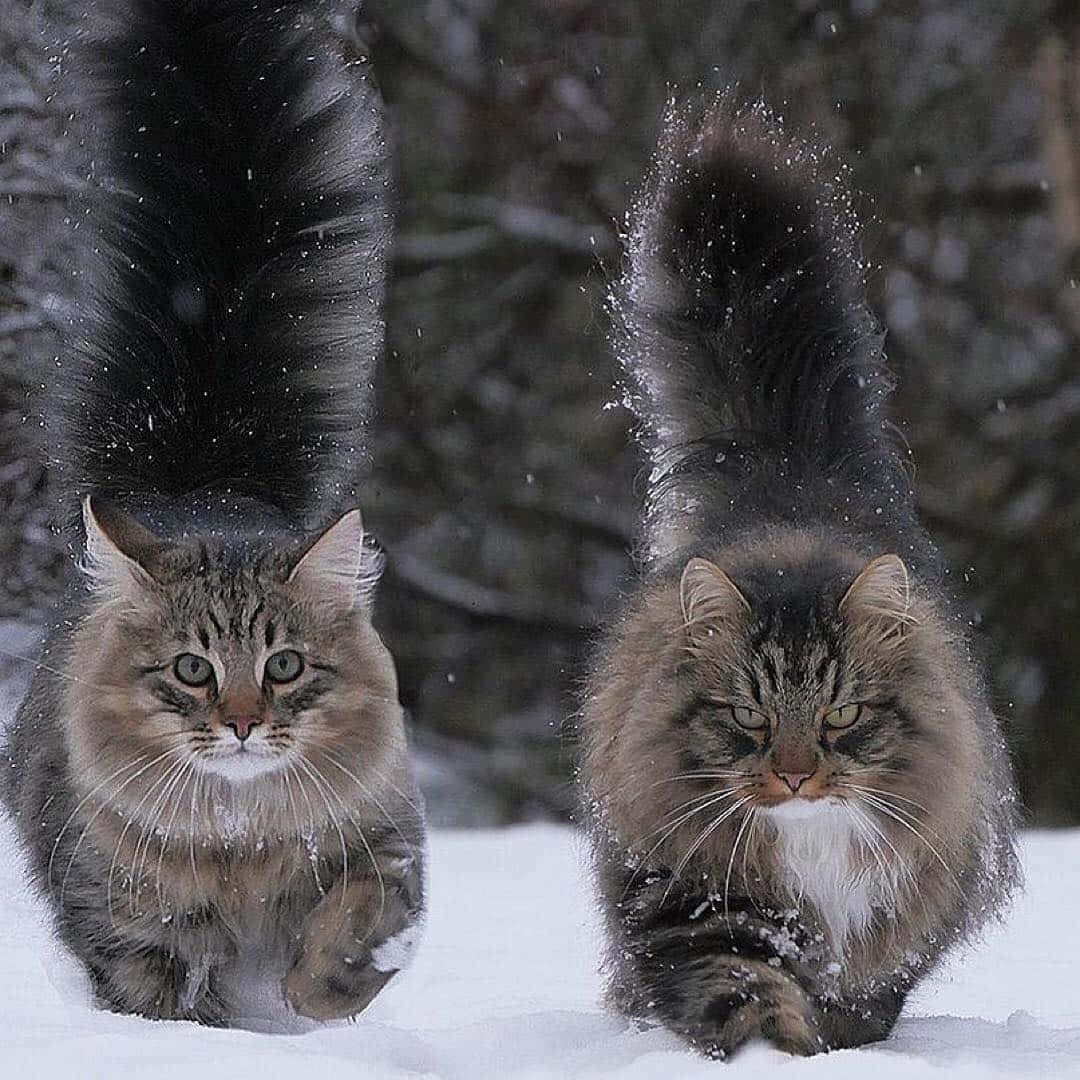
(794, 779)
(242, 725)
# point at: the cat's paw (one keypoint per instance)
(360, 934)
(325, 986)
(785, 1021)
(334, 988)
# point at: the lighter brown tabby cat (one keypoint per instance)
(217, 796)
(209, 774)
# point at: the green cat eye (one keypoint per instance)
(193, 670)
(284, 666)
(748, 718)
(843, 717)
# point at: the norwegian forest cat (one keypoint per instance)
(799, 795)
(209, 774)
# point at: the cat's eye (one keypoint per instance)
(843, 717)
(193, 670)
(284, 666)
(748, 718)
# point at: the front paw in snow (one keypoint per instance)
(335, 990)
(351, 946)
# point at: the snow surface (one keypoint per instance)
(505, 985)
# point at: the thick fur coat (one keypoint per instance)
(209, 773)
(797, 789)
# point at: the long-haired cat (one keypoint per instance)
(799, 793)
(209, 774)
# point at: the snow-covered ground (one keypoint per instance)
(506, 986)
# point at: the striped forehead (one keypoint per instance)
(216, 618)
(808, 667)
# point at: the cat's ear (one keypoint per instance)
(341, 562)
(709, 598)
(879, 599)
(119, 551)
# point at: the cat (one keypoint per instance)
(797, 791)
(209, 774)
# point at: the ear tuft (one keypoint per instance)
(342, 562)
(879, 599)
(118, 550)
(709, 597)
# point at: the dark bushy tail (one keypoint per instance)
(742, 319)
(236, 233)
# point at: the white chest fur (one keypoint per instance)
(821, 859)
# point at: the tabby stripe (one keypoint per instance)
(168, 694)
(254, 615)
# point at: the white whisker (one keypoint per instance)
(191, 830)
(53, 671)
(127, 825)
(79, 805)
(366, 791)
(873, 798)
(746, 851)
(747, 818)
(188, 777)
(866, 830)
(704, 835)
(310, 838)
(890, 794)
(312, 772)
(670, 828)
(147, 833)
(100, 810)
(706, 800)
(890, 812)
(401, 794)
(699, 776)
(367, 848)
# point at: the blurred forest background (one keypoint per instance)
(505, 488)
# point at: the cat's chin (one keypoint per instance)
(799, 809)
(239, 768)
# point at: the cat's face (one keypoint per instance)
(807, 683)
(798, 698)
(235, 665)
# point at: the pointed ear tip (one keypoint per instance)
(884, 579)
(93, 519)
(697, 565)
(100, 511)
(892, 564)
(702, 579)
(693, 569)
(351, 519)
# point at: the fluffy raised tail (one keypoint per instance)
(742, 321)
(236, 231)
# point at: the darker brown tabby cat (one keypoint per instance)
(799, 795)
(209, 773)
